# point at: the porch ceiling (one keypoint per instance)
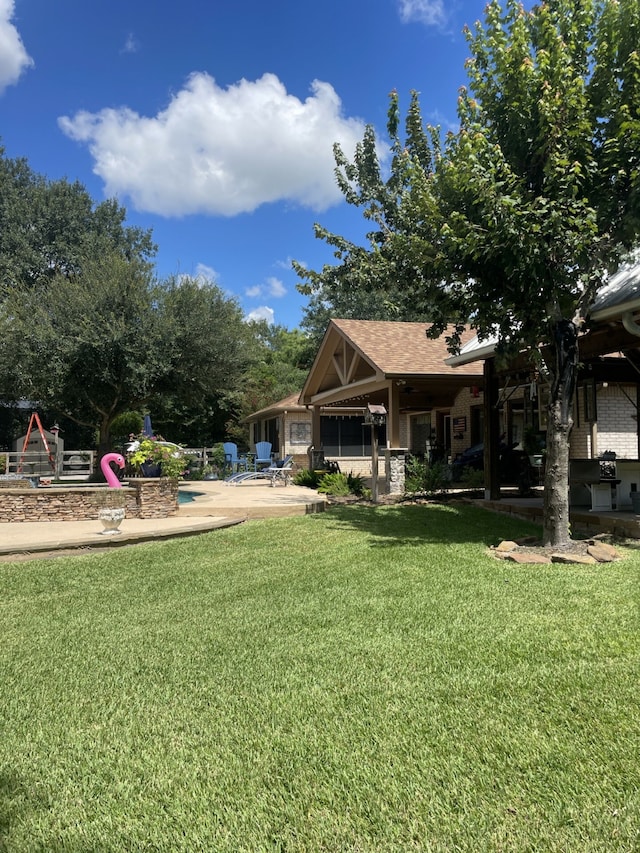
(414, 394)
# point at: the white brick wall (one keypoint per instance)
(617, 426)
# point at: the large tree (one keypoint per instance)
(48, 227)
(88, 346)
(516, 219)
(112, 339)
(208, 346)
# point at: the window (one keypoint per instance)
(348, 436)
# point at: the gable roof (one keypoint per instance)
(360, 355)
(397, 348)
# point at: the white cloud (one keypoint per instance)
(206, 273)
(429, 12)
(221, 151)
(14, 59)
(262, 313)
(130, 45)
(276, 287)
(272, 287)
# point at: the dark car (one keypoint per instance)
(510, 462)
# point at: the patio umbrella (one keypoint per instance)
(147, 429)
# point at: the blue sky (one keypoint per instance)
(213, 123)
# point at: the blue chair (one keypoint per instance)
(263, 454)
(235, 462)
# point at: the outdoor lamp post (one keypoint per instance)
(374, 416)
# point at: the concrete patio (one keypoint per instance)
(217, 505)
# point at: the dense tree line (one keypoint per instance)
(89, 333)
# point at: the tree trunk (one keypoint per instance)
(104, 444)
(555, 522)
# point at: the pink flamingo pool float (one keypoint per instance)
(112, 481)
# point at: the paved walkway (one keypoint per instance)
(217, 505)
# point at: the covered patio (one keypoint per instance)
(395, 365)
(606, 427)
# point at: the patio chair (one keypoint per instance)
(280, 471)
(263, 454)
(235, 462)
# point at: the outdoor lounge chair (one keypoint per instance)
(263, 454)
(279, 472)
(235, 462)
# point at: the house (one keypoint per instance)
(433, 409)
(287, 425)
(606, 407)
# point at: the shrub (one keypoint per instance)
(355, 482)
(471, 478)
(308, 478)
(334, 484)
(425, 478)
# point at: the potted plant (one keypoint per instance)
(152, 456)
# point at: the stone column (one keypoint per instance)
(394, 463)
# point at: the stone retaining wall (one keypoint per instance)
(143, 498)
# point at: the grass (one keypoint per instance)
(364, 680)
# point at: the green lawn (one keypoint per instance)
(364, 680)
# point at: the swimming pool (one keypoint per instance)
(186, 496)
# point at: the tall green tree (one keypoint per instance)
(370, 282)
(515, 220)
(88, 346)
(48, 227)
(207, 348)
(112, 339)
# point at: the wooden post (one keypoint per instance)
(374, 463)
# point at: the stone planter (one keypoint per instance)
(111, 517)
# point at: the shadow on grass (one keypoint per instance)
(15, 803)
(444, 524)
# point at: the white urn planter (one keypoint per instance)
(111, 518)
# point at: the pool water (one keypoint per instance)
(185, 497)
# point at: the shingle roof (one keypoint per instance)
(290, 403)
(401, 349)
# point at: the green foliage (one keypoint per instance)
(334, 484)
(423, 478)
(355, 484)
(89, 332)
(471, 478)
(206, 348)
(308, 478)
(125, 425)
(49, 228)
(151, 450)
